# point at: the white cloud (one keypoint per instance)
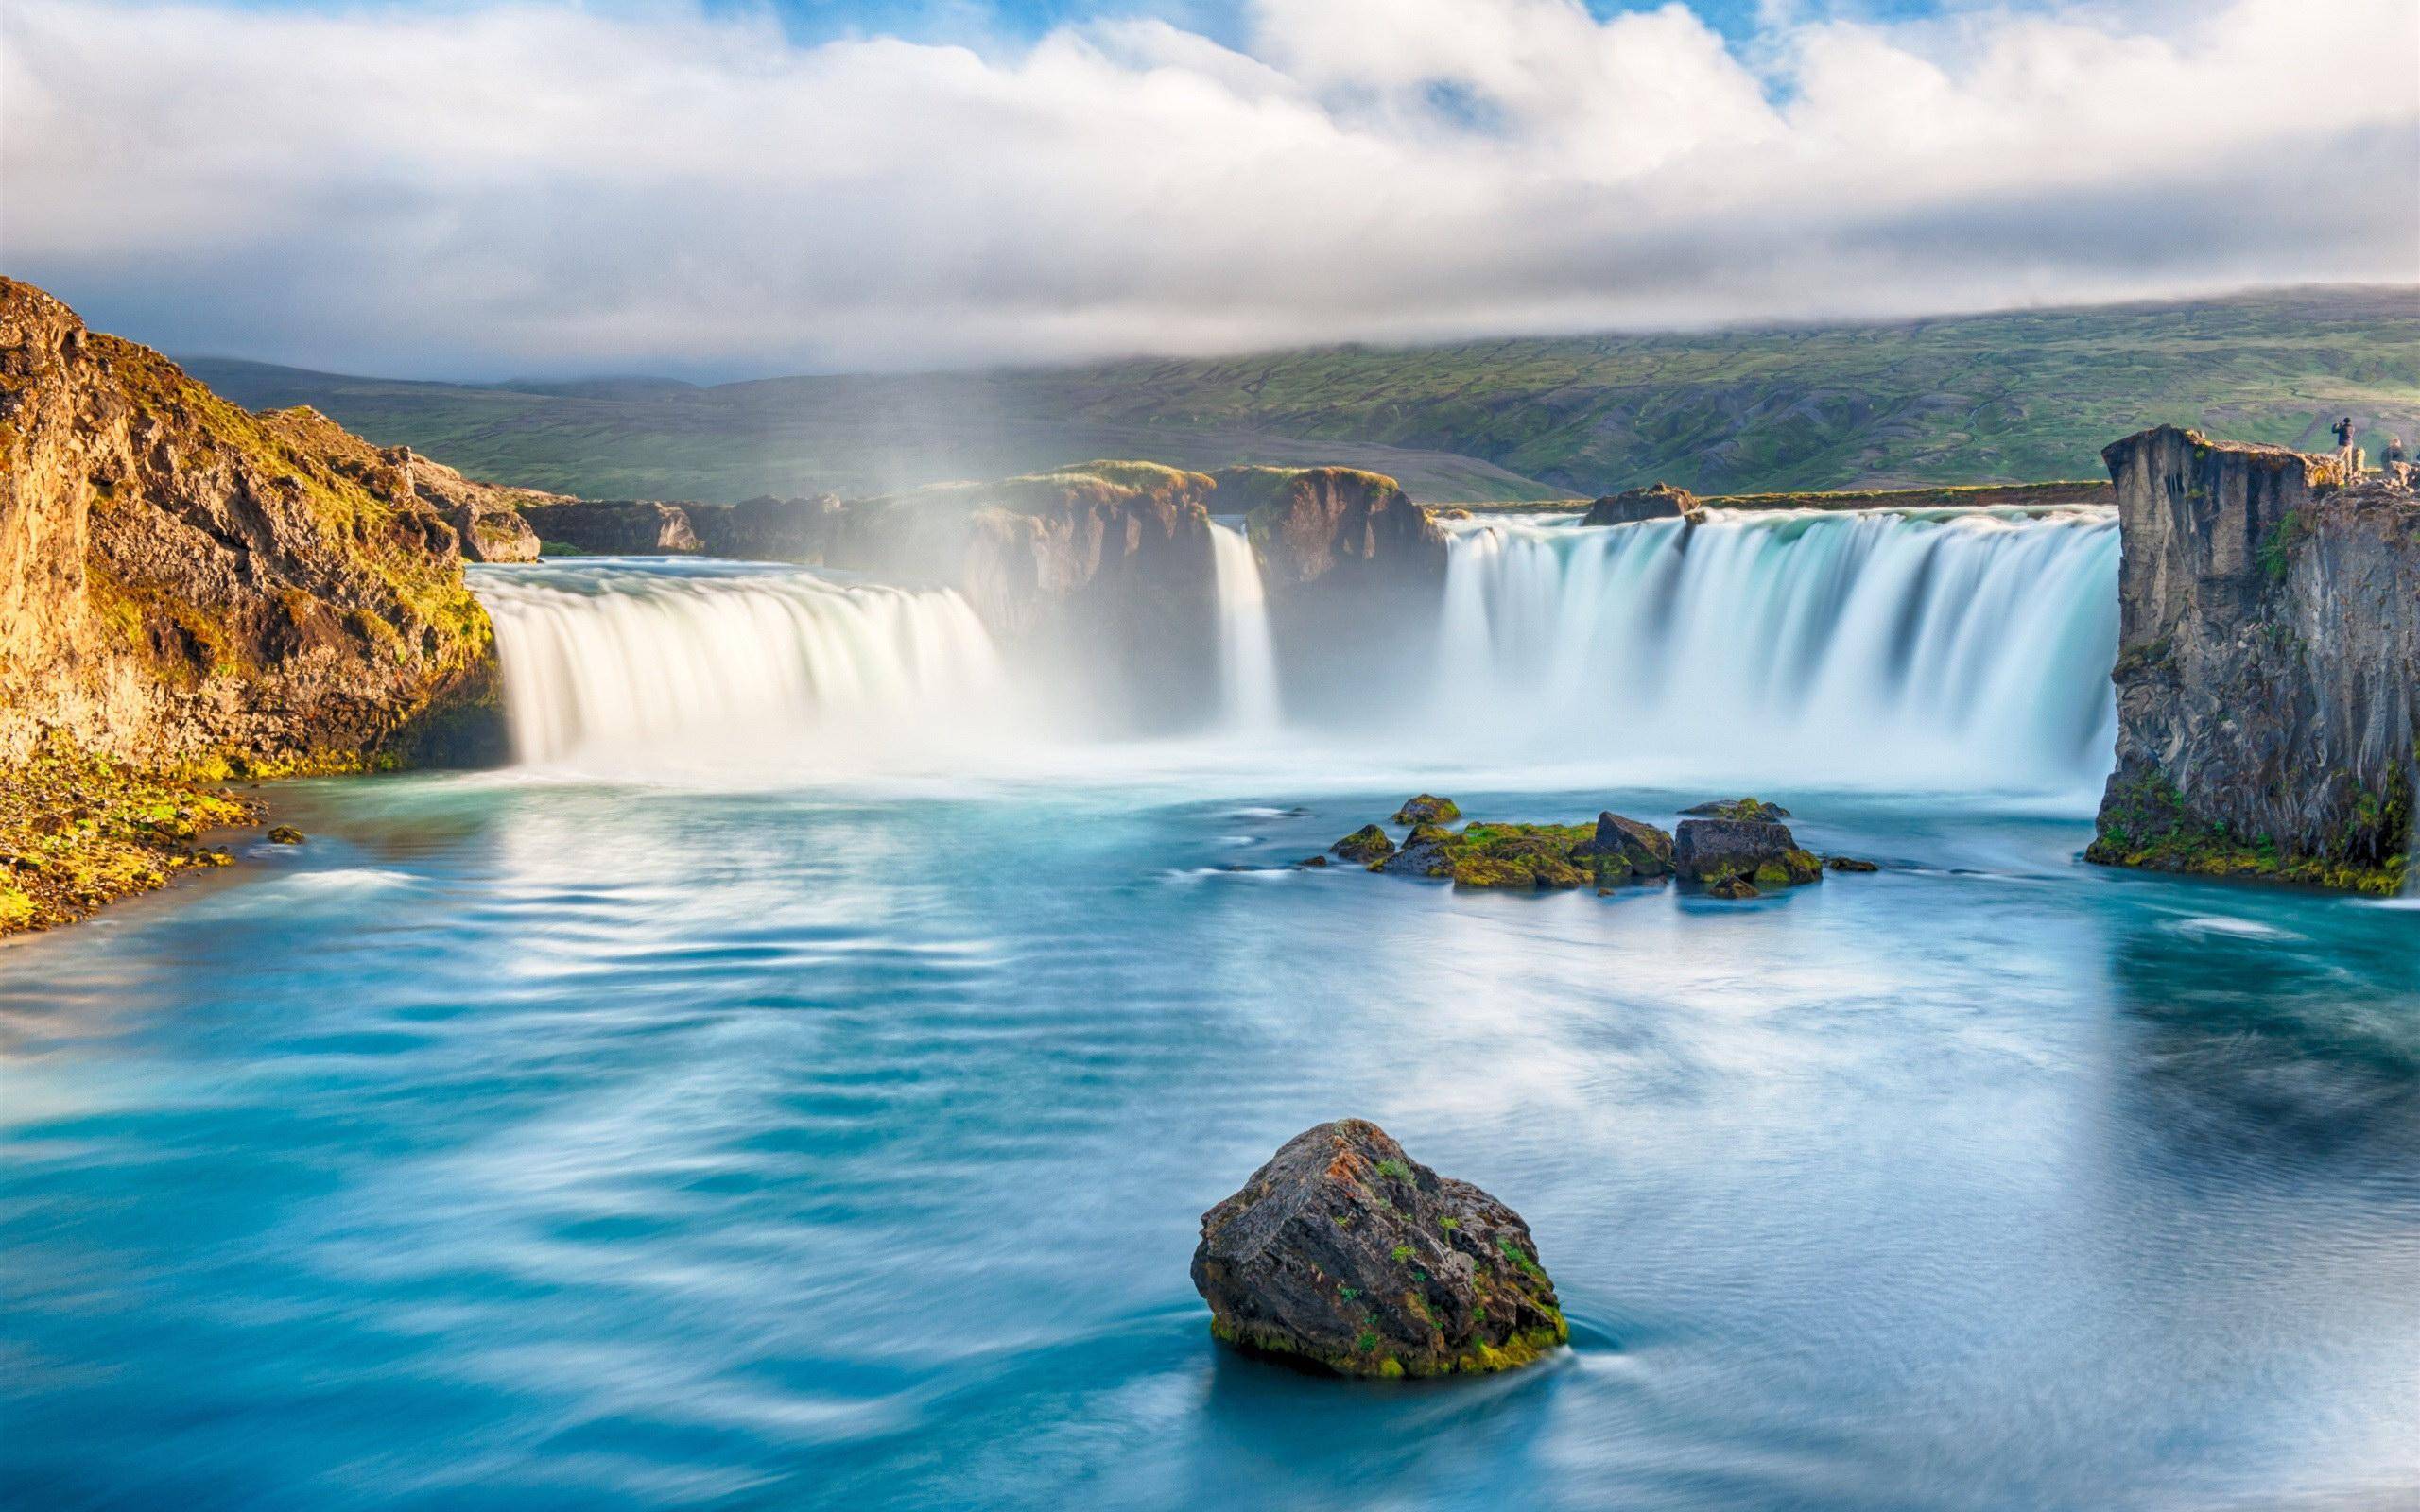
(524, 187)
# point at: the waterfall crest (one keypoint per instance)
(1247, 653)
(1948, 644)
(600, 657)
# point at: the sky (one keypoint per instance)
(726, 188)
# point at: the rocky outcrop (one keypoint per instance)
(1343, 1254)
(188, 586)
(1740, 859)
(616, 527)
(1427, 808)
(765, 529)
(2269, 666)
(486, 518)
(1121, 547)
(1659, 501)
(1334, 528)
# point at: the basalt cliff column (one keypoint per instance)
(2269, 669)
(188, 586)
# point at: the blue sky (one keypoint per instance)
(713, 189)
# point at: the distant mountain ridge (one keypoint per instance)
(2012, 397)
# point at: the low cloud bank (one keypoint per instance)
(523, 187)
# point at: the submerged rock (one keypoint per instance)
(1427, 809)
(1343, 1254)
(1738, 808)
(1659, 501)
(1366, 844)
(1313, 861)
(1715, 852)
(1850, 864)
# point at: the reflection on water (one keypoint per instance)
(547, 1143)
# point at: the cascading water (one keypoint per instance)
(608, 656)
(1247, 654)
(1955, 645)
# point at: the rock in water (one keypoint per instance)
(1429, 809)
(1717, 854)
(1660, 502)
(284, 835)
(1850, 864)
(1343, 1254)
(1424, 853)
(1626, 845)
(1366, 844)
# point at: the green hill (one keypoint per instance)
(1975, 398)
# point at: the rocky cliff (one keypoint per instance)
(189, 587)
(1099, 545)
(2269, 668)
(1334, 527)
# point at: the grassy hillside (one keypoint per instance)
(1978, 398)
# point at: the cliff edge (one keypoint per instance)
(2269, 666)
(189, 590)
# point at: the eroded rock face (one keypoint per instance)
(1739, 858)
(2269, 666)
(1334, 527)
(186, 586)
(1660, 500)
(618, 527)
(765, 529)
(1343, 1254)
(1090, 547)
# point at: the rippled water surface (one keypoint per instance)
(538, 1144)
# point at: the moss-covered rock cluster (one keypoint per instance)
(1526, 857)
(1342, 1254)
(77, 831)
(1736, 849)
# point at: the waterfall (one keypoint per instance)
(605, 656)
(1247, 657)
(1949, 645)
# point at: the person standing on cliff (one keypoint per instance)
(2343, 429)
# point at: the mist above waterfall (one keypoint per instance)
(1951, 649)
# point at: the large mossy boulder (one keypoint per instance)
(1642, 850)
(1739, 858)
(1368, 844)
(1343, 1254)
(1427, 808)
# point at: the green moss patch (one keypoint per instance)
(79, 830)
